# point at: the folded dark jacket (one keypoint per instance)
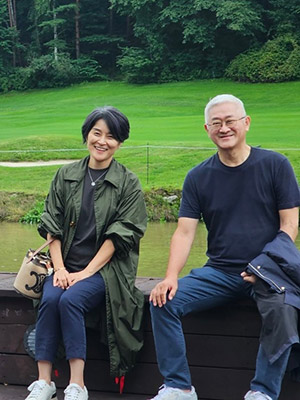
(279, 266)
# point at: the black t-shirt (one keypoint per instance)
(83, 247)
(239, 205)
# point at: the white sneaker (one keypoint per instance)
(75, 392)
(169, 393)
(252, 395)
(40, 390)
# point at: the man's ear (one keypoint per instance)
(248, 122)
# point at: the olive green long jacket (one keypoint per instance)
(120, 215)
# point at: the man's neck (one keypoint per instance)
(234, 157)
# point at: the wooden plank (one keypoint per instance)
(225, 320)
(210, 383)
(6, 284)
(211, 351)
(16, 310)
(202, 350)
(19, 370)
(12, 338)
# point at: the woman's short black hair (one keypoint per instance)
(116, 122)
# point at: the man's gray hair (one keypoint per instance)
(222, 98)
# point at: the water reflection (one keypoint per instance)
(155, 249)
(17, 238)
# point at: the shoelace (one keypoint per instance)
(164, 390)
(35, 389)
(168, 391)
(72, 393)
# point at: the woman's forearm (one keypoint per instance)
(56, 254)
(102, 257)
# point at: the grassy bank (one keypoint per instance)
(14, 205)
(167, 169)
(168, 117)
(162, 205)
(159, 114)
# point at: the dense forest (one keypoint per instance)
(48, 43)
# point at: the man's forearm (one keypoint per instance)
(179, 252)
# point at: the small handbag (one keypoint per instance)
(36, 266)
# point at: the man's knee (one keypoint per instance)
(165, 311)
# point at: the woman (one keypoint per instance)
(95, 212)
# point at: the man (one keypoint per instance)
(245, 196)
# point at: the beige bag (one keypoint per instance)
(36, 266)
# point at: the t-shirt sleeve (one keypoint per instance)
(190, 202)
(287, 187)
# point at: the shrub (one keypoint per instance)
(17, 79)
(46, 72)
(136, 66)
(158, 206)
(278, 60)
(88, 69)
(33, 216)
(191, 65)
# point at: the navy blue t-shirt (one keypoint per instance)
(239, 205)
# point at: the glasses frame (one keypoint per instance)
(217, 128)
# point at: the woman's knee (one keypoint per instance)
(50, 298)
(67, 302)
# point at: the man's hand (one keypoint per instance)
(158, 295)
(251, 278)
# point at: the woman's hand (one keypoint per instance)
(60, 278)
(75, 277)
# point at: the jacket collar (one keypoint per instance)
(76, 171)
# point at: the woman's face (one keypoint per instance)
(101, 145)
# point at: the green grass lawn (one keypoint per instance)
(161, 115)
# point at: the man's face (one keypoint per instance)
(227, 126)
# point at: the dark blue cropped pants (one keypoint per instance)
(62, 314)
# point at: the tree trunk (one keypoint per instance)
(77, 29)
(110, 28)
(128, 28)
(15, 13)
(55, 32)
(11, 4)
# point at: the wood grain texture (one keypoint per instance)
(221, 348)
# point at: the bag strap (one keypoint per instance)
(40, 248)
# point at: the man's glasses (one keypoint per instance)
(229, 123)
